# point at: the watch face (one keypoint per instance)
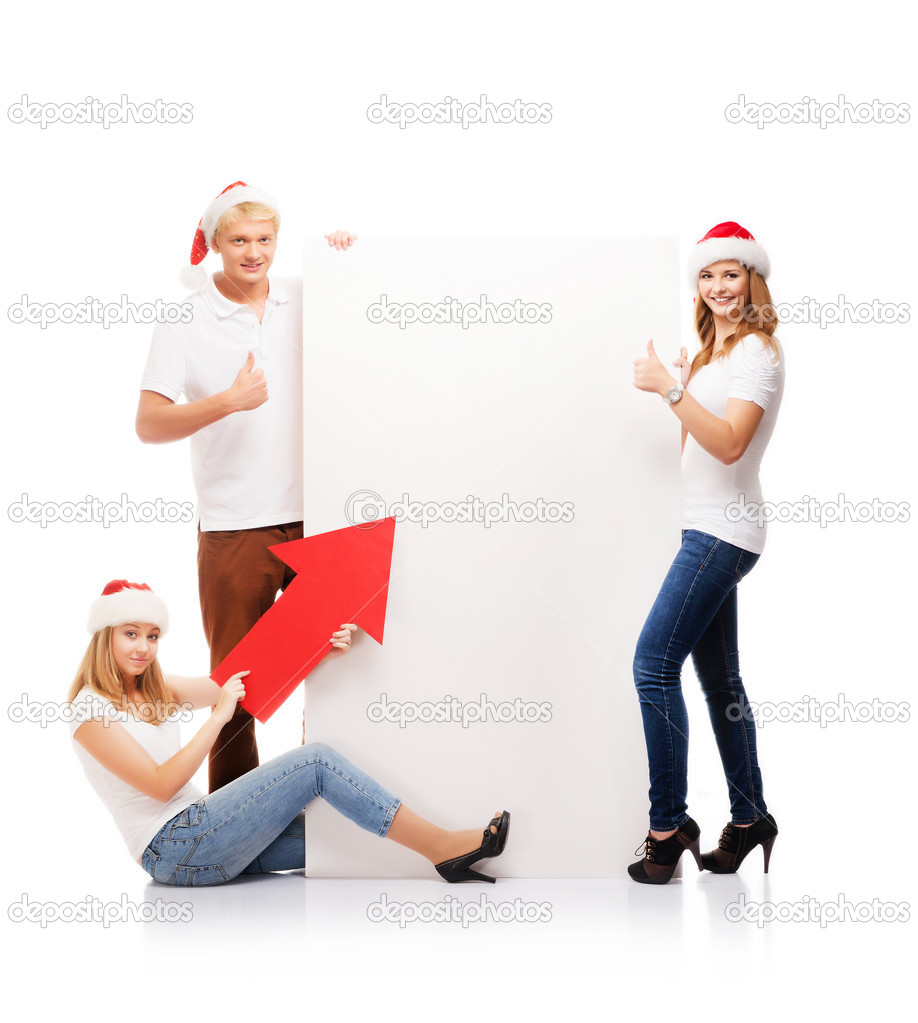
(674, 394)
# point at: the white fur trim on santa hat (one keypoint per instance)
(744, 250)
(128, 605)
(226, 201)
(194, 277)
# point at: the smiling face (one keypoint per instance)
(724, 287)
(247, 249)
(134, 647)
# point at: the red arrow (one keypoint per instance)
(342, 576)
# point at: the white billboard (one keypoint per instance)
(481, 391)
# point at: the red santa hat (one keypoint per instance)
(727, 241)
(122, 602)
(238, 192)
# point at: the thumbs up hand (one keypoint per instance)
(650, 374)
(250, 389)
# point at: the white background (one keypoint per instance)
(638, 146)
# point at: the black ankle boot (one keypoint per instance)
(735, 844)
(661, 855)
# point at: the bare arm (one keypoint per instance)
(160, 419)
(195, 693)
(120, 753)
(726, 439)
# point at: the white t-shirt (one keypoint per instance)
(715, 495)
(248, 466)
(138, 817)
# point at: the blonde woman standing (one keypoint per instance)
(727, 400)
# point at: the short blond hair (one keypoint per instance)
(247, 211)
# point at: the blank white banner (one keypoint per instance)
(481, 391)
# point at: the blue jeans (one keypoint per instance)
(695, 613)
(255, 824)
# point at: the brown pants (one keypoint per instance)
(238, 580)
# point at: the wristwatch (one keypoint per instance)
(673, 394)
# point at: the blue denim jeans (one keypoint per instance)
(695, 613)
(255, 824)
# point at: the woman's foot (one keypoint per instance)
(443, 847)
(471, 848)
(458, 843)
(737, 841)
(661, 856)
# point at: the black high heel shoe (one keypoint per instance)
(735, 844)
(459, 868)
(661, 855)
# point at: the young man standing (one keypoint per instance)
(238, 362)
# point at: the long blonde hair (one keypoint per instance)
(758, 318)
(101, 674)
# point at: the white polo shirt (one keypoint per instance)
(248, 466)
(723, 500)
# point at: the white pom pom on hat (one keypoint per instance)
(194, 276)
(727, 241)
(122, 602)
